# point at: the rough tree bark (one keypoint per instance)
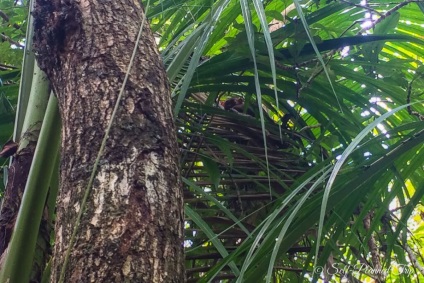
(132, 230)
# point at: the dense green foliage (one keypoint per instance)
(340, 184)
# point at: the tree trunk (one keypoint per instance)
(132, 229)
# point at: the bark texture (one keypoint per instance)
(132, 230)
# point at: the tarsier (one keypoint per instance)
(236, 104)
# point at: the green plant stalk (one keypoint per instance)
(42, 257)
(53, 190)
(34, 115)
(19, 259)
(26, 76)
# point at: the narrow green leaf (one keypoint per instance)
(352, 146)
(211, 235)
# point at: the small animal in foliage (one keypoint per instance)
(236, 104)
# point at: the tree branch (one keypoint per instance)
(6, 38)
